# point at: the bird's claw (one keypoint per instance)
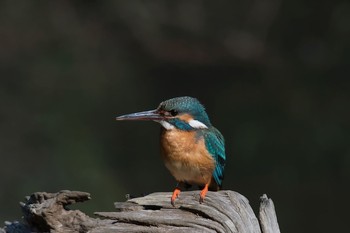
(175, 195)
(173, 202)
(201, 199)
(203, 193)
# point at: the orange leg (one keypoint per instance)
(203, 193)
(175, 195)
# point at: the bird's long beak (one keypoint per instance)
(141, 116)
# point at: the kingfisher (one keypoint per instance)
(192, 149)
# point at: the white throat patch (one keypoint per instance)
(166, 125)
(197, 124)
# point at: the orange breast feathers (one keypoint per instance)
(186, 157)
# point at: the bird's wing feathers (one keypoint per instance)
(214, 141)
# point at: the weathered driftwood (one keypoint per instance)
(223, 211)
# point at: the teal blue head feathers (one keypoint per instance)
(187, 113)
(184, 113)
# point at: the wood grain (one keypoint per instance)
(223, 211)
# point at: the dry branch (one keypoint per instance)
(223, 211)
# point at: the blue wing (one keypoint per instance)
(214, 141)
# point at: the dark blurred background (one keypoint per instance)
(273, 75)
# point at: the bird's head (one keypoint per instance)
(184, 113)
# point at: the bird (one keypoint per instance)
(192, 149)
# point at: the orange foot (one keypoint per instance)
(175, 195)
(203, 193)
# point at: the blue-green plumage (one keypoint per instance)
(193, 150)
(179, 124)
(214, 141)
(188, 105)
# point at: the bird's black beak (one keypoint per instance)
(152, 115)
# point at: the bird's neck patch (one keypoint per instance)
(166, 125)
(197, 124)
(182, 122)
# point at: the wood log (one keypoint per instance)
(223, 211)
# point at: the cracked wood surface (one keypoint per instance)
(223, 211)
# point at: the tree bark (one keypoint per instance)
(223, 211)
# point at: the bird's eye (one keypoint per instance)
(173, 112)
